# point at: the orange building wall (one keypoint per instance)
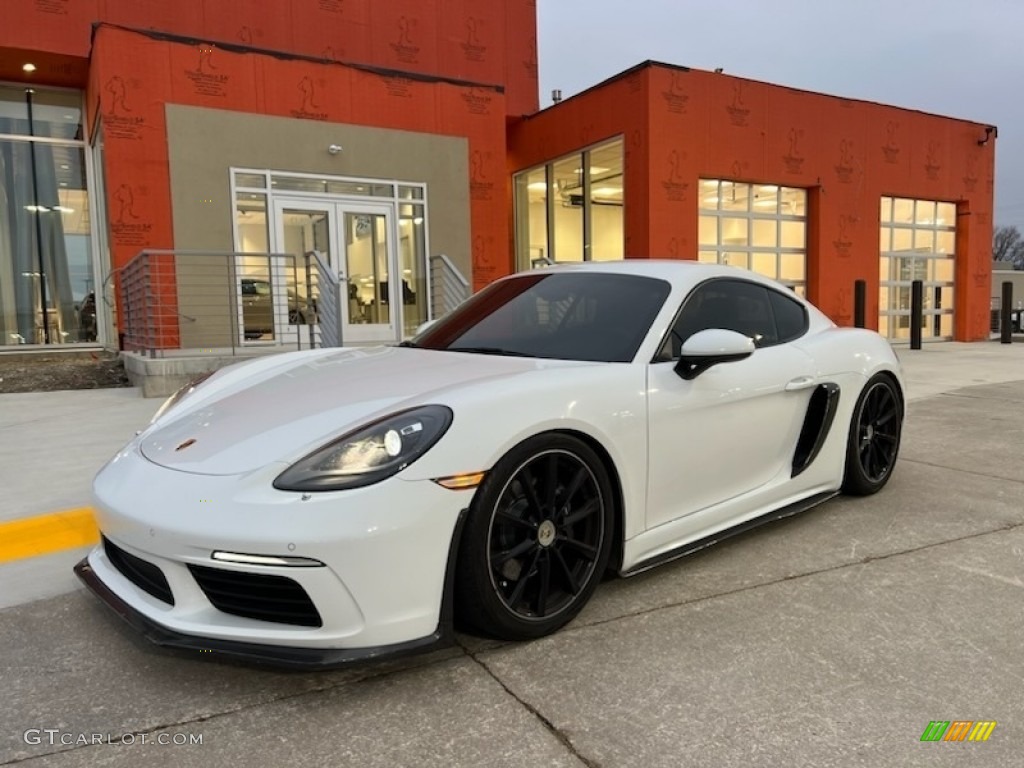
(492, 42)
(134, 75)
(848, 154)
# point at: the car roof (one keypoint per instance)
(675, 271)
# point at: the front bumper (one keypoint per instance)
(380, 581)
(280, 656)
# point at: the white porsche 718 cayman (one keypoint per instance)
(335, 505)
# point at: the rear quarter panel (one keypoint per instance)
(847, 357)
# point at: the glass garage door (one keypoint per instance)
(762, 227)
(918, 242)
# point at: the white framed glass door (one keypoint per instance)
(368, 262)
(300, 226)
(357, 240)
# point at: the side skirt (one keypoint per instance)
(689, 548)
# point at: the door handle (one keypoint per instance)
(800, 382)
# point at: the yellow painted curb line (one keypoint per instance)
(44, 534)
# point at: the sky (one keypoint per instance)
(950, 57)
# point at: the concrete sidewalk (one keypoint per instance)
(53, 444)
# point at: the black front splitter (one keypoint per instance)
(282, 657)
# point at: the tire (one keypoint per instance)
(874, 441)
(537, 539)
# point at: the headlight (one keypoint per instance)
(370, 454)
(180, 395)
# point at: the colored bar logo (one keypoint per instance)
(958, 730)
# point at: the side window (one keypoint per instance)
(790, 317)
(735, 305)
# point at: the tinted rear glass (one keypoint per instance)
(559, 315)
(790, 316)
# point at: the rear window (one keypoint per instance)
(790, 317)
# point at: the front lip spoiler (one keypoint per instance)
(282, 657)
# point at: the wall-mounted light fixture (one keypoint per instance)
(990, 131)
(334, 148)
(28, 67)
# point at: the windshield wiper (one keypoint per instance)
(409, 344)
(491, 351)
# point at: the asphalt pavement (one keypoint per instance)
(830, 639)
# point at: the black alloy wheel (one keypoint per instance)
(537, 540)
(874, 441)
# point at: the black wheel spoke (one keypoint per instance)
(524, 578)
(872, 460)
(575, 485)
(544, 574)
(886, 417)
(592, 506)
(506, 515)
(530, 492)
(584, 549)
(570, 580)
(552, 481)
(518, 550)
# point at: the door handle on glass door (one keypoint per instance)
(800, 382)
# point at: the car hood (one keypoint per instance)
(283, 415)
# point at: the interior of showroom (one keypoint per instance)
(381, 135)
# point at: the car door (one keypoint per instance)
(734, 427)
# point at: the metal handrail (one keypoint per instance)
(161, 295)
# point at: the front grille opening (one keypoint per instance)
(143, 575)
(257, 596)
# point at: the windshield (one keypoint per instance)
(559, 315)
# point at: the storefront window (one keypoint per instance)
(916, 242)
(761, 227)
(567, 189)
(412, 248)
(572, 208)
(47, 272)
(532, 218)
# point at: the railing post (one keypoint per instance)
(233, 301)
(916, 312)
(860, 292)
(309, 301)
(1005, 315)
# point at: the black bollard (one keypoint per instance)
(860, 298)
(1005, 321)
(916, 313)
